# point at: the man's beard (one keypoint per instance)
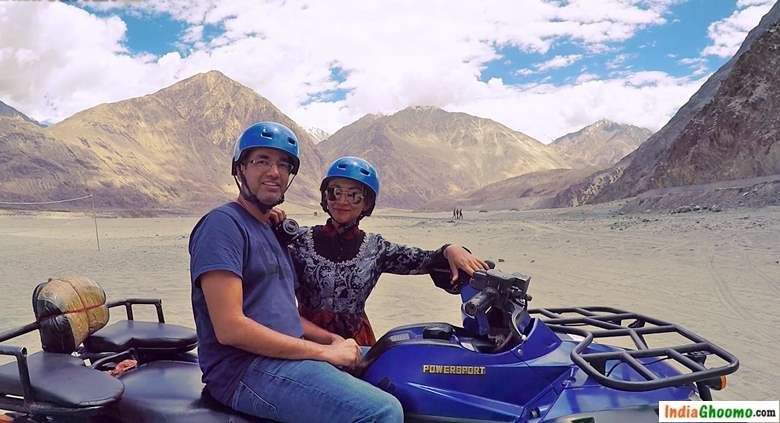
(269, 198)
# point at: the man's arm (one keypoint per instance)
(224, 300)
(317, 334)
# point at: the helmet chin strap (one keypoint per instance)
(246, 194)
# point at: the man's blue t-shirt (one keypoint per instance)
(229, 238)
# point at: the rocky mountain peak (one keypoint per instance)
(169, 149)
(600, 144)
(424, 109)
(205, 83)
(726, 131)
(425, 152)
(318, 135)
(603, 124)
(423, 113)
(7, 111)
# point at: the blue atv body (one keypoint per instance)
(505, 364)
(509, 364)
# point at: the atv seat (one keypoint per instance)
(54, 382)
(117, 337)
(142, 336)
(61, 380)
(170, 391)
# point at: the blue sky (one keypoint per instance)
(653, 48)
(541, 67)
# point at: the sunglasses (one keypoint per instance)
(351, 196)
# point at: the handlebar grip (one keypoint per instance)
(478, 303)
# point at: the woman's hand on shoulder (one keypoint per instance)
(277, 215)
(459, 258)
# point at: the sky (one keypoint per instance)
(545, 68)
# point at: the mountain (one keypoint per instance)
(600, 145)
(317, 134)
(9, 112)
(33, 163)
(529, 191)
(728, 130)
(590, 149)
(425, 152)
(167, 150)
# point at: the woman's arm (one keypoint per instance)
(402, 259)
(405, 260)
(317, 334)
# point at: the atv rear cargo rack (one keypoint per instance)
(610, 322)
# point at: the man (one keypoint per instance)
(257, 354)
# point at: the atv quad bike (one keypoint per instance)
(505, 364)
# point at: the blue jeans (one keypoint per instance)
(311, 391)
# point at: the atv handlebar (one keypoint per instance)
(479, 302)
(496, 288)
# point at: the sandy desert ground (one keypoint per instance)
(718, 274)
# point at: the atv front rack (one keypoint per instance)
(609, 323)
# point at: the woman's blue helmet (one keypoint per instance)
(266, 135)
(357, 169)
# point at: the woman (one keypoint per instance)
(338, 264)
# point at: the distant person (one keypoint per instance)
(338, 264)
(258, 355)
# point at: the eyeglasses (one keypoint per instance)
(263, 164)
(352, 197)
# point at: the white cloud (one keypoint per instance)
(747, 3)
(651, 44)
(585, 77)
(558, 62)
(698, 65)
(618, 61)
(545, 112)
(728, 34)
(49, 69)
(409, 53)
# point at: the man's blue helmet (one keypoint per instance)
(266, 135)
(357, 169)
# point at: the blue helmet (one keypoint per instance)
(356, 169)
(266, 135)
